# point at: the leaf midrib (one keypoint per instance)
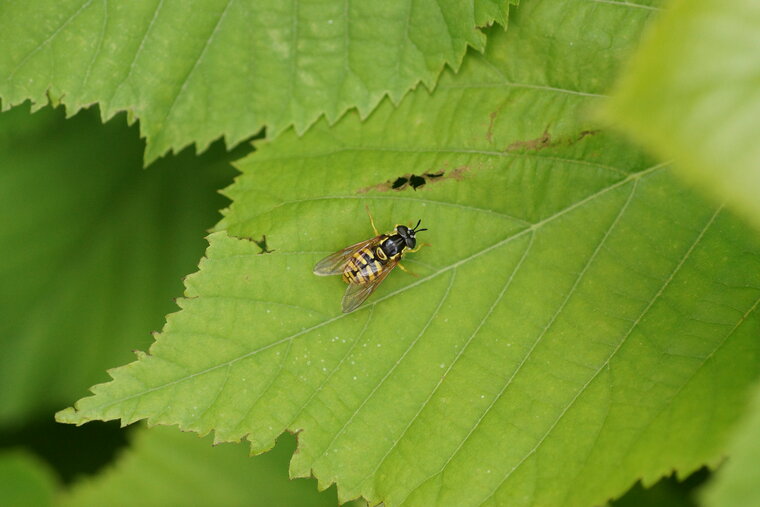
(632, 5)
(263, 157)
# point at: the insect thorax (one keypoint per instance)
(392, 246)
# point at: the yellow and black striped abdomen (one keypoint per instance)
(363, 266)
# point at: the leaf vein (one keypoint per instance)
(334, 369)
(460, 353)
(218, 393)
(627, 4)
(48, 40)
(268, 385)
(377, 386)
(539, 339)
(101, 38)
(617, 348)
(198, 61)
(508, 84)
(703, 361)
(139, 49)
(397, 198)
(487, 153)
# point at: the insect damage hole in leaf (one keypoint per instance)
(400, 182)
(415, 181)
(262, 243)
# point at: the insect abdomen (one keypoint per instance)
(363, 267)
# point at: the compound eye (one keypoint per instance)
(403, 230)
(410, 241)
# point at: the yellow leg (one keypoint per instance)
(371, 220)
(407, 271)
(417, 248)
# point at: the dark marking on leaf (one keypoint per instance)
(586, 133)
(415, 181)
(400, 182)
(261, 243)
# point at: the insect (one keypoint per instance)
(366, 264)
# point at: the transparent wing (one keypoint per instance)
(356, 293)
(335, 263)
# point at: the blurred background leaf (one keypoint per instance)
(94, 250)
(737, 483)
(692, 94)
(25, 480)
(195, 70)
(165, 467)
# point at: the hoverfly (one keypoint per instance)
(366, 264)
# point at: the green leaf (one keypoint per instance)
(736, 483)
(94, 248)
(166, 467)
(25, 481)
(193, 71)
(566, 333)
(692, 93)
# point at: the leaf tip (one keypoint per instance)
(68, 415)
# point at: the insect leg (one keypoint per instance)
(417, 248)
(371, 220)
(407, 271)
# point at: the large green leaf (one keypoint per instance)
(737, 483)
(574, 319)
(692, 94)
(195, 70)
(94, 249)
(166, 467)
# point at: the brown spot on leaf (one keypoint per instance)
(491, 121)
(536, 144)
(458, 173)
(546, 141)
(586, 133)
(492, 116)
